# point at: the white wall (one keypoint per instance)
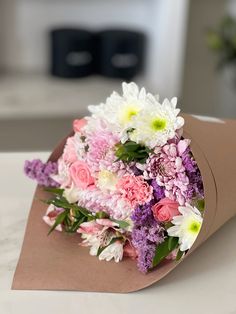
(164, 21)
(207, 91)
(231, 7)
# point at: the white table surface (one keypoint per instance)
(204, 283)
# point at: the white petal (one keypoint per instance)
(174, 101)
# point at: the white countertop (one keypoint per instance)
(204, 283)
(39, 96)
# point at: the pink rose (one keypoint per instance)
(78, 124)
(165, 210)
(80, 175)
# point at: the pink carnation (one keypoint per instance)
(135, 190)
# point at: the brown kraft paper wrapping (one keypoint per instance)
(57, 262)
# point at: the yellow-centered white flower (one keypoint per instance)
(156, 123)
(119, 111)
(186, 226)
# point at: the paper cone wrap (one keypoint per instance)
(57, 262)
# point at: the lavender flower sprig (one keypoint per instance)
(41, 172)
(146, 235)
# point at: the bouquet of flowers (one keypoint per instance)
(127, 181)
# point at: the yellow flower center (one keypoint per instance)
(158, 124)
(128, 113)
(194, 227)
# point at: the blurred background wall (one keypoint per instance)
(36, 107)
(25, 45)
(201, 82)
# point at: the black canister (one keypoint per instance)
(121, 53)
(72, 52)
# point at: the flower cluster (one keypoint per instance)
(127, 181)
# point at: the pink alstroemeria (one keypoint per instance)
(50, 217)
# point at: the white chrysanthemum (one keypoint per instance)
(156, 124)
(114, 250)
(186, 226)
(118, 110)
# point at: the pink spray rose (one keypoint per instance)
(81, 175)
(78, 124)
(165, 210)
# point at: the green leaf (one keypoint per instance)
(75, 226)
(164, 249)
(201, 205)
(179, 255)
(60, 218)
(101, 215)
(56, 191)
(63, 203)
(122, 224)
(131, 151)
(59, 203)
(171, 242)
(83, 211)
(167, 225)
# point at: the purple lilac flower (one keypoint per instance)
(146, 234)
(195, 187)
(41, 172)
(158, 191)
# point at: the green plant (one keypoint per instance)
(222, 41)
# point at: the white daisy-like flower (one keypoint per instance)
(119, 110)
(186, 226)
(114, 250)
(156, 124)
